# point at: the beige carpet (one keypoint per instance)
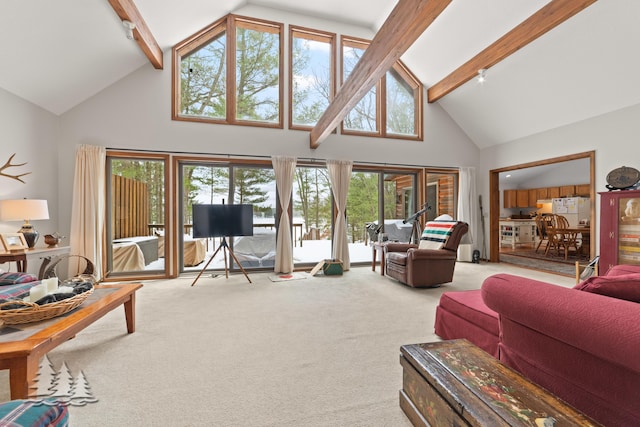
(316, 352)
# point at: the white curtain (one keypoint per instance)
(468, 211)
(340, 177)
(285, 168)
(88, 207)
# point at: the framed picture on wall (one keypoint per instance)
(13, 242)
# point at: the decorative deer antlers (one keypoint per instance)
(8, 165)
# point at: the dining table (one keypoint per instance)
(585, 239)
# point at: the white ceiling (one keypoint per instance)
(57, 54)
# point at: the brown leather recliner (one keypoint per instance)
(416, 267)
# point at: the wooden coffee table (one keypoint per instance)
(21, 349)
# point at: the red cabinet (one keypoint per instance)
(619, 228)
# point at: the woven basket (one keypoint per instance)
(33, 312)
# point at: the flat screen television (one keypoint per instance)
(222, 220)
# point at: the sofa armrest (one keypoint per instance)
(398, 247)
(431, 254)
(603, 326)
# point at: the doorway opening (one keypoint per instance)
(520, 194)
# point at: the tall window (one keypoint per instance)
(203, 79)
(403, 94)
(312, 76)
(364, 116)
(399, 91)
(230, 72)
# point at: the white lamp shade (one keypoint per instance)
(23, 209)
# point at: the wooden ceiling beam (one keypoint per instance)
(405, 24)
(127, 10)
(548, 17)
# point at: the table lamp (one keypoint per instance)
(25, 210)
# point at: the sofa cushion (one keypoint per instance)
(625, 286)
(622, 269)
(463, 314)
(16, 278)
(436, 234)
(469, 305)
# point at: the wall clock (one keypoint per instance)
(622, 178)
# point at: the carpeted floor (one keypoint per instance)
(316, 352)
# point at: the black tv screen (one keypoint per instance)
(222, 220)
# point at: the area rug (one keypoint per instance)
(558, 267)
(289, 276)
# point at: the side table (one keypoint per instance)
(19, 258)
(378, 246)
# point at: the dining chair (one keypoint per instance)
(541, 223)
(561, 237)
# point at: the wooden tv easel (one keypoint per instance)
(225, 247)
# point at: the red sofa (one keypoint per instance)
(582, 344)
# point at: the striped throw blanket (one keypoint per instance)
(436, 234)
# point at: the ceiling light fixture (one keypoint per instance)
(482, 75)
(129, 26)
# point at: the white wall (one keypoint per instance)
(614, 137)
(31, 133)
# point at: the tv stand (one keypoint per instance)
(225, 247)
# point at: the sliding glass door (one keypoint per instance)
(217, 184)
(135, 215)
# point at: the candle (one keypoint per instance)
(37, 292)
(51, 284)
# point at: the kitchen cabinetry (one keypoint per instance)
(567, 191)
(583, 190)
(619, 228)
(553, 192)
(522, 197)
(510, 200)
(529, 198)
(517, 232)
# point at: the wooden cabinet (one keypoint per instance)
(542, 193)
(619, 229)
(522, 197)
(509, 197)
(533, 197)
(567, 191)
(583, 190)
(553, 192)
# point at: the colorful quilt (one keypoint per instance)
(436, 234)
(33, 413)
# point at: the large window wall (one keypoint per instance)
(157, 242)
(232, 72)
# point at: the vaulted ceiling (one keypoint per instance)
(56, 54)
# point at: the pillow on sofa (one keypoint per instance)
(622, 269)
(626, 286)
(16, 278)
(436, 234)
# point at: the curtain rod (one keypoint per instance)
(304, 159)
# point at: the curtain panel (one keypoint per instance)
(284, 168)
(339, 178)
(88, 207)
(468, 211)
